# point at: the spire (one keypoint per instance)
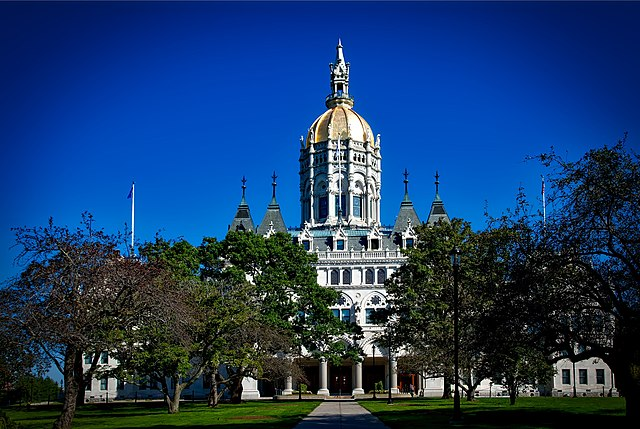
(339, 81)
(437, 211)
(272, 221)
(407, 214)
(242, 220)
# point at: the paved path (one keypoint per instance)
(340, 414)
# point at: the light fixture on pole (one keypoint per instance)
(455, 261)
(390, 400)
(373, 347)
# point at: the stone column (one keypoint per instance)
(324, 376)
(288, 386)
(394, 375)
(358, 390)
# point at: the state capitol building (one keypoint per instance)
(340, 192)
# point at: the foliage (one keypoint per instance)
(421, 302)
(31, 389)
(273, 281)
(590, 269)
(75, 290)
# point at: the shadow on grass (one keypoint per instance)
(516, 419)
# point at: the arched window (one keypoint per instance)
(373, 305)
(382, 276)
(346, 277)
(368, 276)
(335, 277)
(342, 308)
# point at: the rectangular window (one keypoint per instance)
(336, 313)
(582, 373)
(375, 244)
(104, 358)
(339, 244)
(346, 315)
(600, 376)
(357, 211)
(322, 207)
(104, 383)
(306, 245)
(88, 358)
(409, 243)
(371, 316)
(566, 376)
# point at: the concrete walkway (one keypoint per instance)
(340, 414)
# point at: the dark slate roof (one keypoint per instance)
(407, 211)
(437, 211)
(242, 220)
(273, 216)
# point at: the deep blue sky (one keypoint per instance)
(186, 98)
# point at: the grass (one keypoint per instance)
(527, 413)
(254, 415)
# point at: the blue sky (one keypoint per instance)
(186, 98)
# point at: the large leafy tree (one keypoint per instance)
(170, 353)
(589, 275)
(281, 286)
(421, 303)
(75, 290)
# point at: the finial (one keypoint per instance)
(406, 179)
(244, 181)
(274, 177)
(437, 182)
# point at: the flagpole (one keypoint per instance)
(133, 218)
(544, 204)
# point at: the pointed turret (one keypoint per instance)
(407, 215)
(242, 220)
(339, 81)
(437, 211)
(272, 221)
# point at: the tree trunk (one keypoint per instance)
(446, 391)
(81, 382)
(173, 401)
(236, 389)
(627, 372)
(65, 420)
(212, 400)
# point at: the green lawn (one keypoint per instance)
(528, 413)
(255, 415)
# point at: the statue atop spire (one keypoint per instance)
(339, 81)
(437, 183)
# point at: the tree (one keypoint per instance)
(76, 288)
(168, 353)
(280, 285)
(591, 273)
(421, 301)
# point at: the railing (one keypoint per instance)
(338, 95)
(359, 254)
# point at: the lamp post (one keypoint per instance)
(390, 400)
(373, 348)
(299, 383)
(455, 261)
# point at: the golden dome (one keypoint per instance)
(343, 122)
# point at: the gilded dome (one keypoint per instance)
(342, 121)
